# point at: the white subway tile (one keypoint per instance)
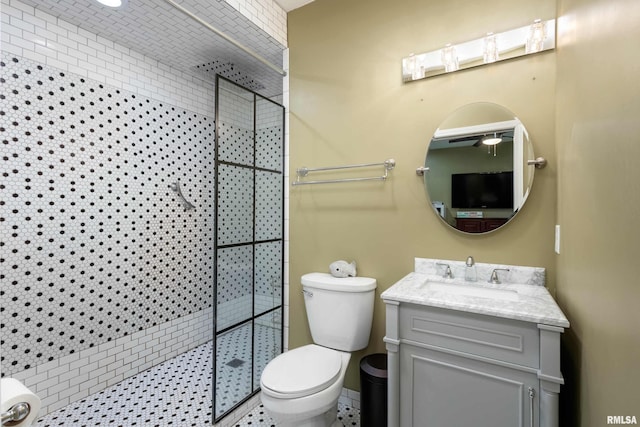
(48, 400)
(9, 30)
(106, 360)
(115, 349)
(130, 373)
(78, 55)
(88, 352)
(98, 387)
(21, 6)
(97, 372)
(66, 393)
(33, 380)
(21, 24)
(42, 386)
(105, 42)
(116, 379)
(98, 47)
(79, 363)
(78, 379)
(87, 34)
(60, 369)
(67, 59)
(55, 28)
(57, 388)
(88, 368)
(79, 39)
(105, 377)
(78, 70)
(79, 395)
(112, 367)
(66, 41)
(87, 385)
(46, 34)
(46, 366)
(58, 64)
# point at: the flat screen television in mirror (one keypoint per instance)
(486, 190)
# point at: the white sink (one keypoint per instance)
(472, 291)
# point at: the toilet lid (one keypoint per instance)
(303, 371)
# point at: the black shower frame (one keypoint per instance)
(253, 243)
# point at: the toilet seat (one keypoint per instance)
(302, 371)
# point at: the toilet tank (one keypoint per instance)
(339, 310)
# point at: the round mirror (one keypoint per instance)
(476, 171)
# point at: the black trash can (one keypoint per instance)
(373, 390)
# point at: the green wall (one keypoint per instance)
(580, 104)
(348, 105)
(598, 145)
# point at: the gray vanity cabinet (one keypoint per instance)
(443, 390)
(454, 368)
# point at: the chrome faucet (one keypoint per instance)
(447, 272)
(494, 276)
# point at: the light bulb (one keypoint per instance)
(450, 58)
(490, 53)
(111, 3)
(537, 35)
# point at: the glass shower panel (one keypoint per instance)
(267, 342)
(236, 124)
(268, 276)
(269, 201)
(234, 290)
(235, 205)
(234, 364)
(249, 250)
(269, 135)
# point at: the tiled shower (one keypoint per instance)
(106, 278)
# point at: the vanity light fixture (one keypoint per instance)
(493, 47)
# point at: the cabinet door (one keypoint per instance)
(443, 390)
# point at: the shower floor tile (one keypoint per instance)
(177, 392)
(258, 417)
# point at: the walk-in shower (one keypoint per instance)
(141, 219)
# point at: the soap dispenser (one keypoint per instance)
(470, 274)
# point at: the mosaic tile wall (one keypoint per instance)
(95, 245)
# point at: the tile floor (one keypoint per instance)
(177, 392)
(259, 418)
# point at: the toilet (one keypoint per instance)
(301, 387)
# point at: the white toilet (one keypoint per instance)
(301, 387)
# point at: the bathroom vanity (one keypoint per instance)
(473, 353)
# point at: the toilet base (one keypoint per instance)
(328, 419)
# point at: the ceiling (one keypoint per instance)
(157, 30)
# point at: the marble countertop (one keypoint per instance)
(532, 304)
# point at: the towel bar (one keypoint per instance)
(388, 164)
